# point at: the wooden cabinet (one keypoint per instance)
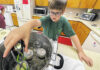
(36, 17)
(87, 3)
(83, 4)
(11, 1)
(97, 5)
(6, 1)
(41, 2)
(14, 18)
(80, 29)
(73, 3)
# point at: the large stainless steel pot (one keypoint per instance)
(38, 61)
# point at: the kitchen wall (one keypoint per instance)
(74, 11)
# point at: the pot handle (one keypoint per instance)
(61, 62)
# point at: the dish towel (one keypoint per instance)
(69, 64)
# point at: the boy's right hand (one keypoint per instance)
(20, 33)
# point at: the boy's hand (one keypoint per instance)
(21, 33)
(88, 60)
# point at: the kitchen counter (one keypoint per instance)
(71, 52)
(5, 32)
(93, 25)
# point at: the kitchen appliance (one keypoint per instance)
(92, 43)
(88, 16)
(38, 42)
(41, 11)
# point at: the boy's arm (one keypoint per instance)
(81, 53)
(77, 43)
(20, 33)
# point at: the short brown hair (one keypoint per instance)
(57, 4)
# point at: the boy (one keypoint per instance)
(53, 25)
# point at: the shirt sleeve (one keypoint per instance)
(43, 20)
(67, 29)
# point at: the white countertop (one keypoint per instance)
(93, 25)
(5, 32)
(72, 53)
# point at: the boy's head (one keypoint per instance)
(2, 9)
(57, 8)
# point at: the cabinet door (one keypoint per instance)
(41, 2)
(36, 17)
(14, 18)
(2, 1)
(97, 5)
(80, 29)
(11, 1)
(6, 1)
(87, 3)
(73, 3)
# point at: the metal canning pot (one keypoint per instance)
(38, 59)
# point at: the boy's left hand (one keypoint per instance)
(88, 60)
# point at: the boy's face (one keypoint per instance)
(3, 11)
(55, 14)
